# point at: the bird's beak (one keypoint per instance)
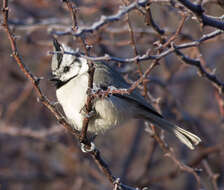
(54, 78)
(57, 82)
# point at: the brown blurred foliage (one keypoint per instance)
(37, 153)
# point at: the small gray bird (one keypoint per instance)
(71, 76)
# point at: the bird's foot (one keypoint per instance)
(87, 149)
(88, 115)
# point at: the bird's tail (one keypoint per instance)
(187, 138)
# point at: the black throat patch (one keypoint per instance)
(59, 83)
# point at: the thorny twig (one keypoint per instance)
(149, 20)
(38, 134)
(205, 19)
(169, 153)
(105, 20)
(133, 43)
(211, 175)
(201, 69)
(73, 12)
(197, 9)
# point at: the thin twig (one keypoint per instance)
(205, 19)
(106, 19)
(201, 69)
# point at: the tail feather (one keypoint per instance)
(187, 138)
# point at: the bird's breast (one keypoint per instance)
(72, 98)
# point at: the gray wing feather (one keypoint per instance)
(113, 78)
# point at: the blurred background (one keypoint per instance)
(37, 153)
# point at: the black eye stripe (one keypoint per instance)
(59, 58)
(76, 60)
(67, 68)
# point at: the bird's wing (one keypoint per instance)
(113, 78)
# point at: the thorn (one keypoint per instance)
(16, 37)
(148, 129)
(89, 47)
(198, 170)
(41, 99)
(213, 71)
(37, 80)
(117, 182)
(5, 9)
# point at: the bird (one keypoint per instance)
(70, 74)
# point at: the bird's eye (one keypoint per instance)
(66, 69)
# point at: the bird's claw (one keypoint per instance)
(116, 183)
(89, 149)
(87, 115)
(90, 114)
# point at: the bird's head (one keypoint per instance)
(65, 66)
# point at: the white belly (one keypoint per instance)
(72, 96)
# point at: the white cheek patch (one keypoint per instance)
(73, 72)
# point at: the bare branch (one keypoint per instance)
(206, 20)
(201, 69)
(104, 20)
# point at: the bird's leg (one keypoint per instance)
(86, 148)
